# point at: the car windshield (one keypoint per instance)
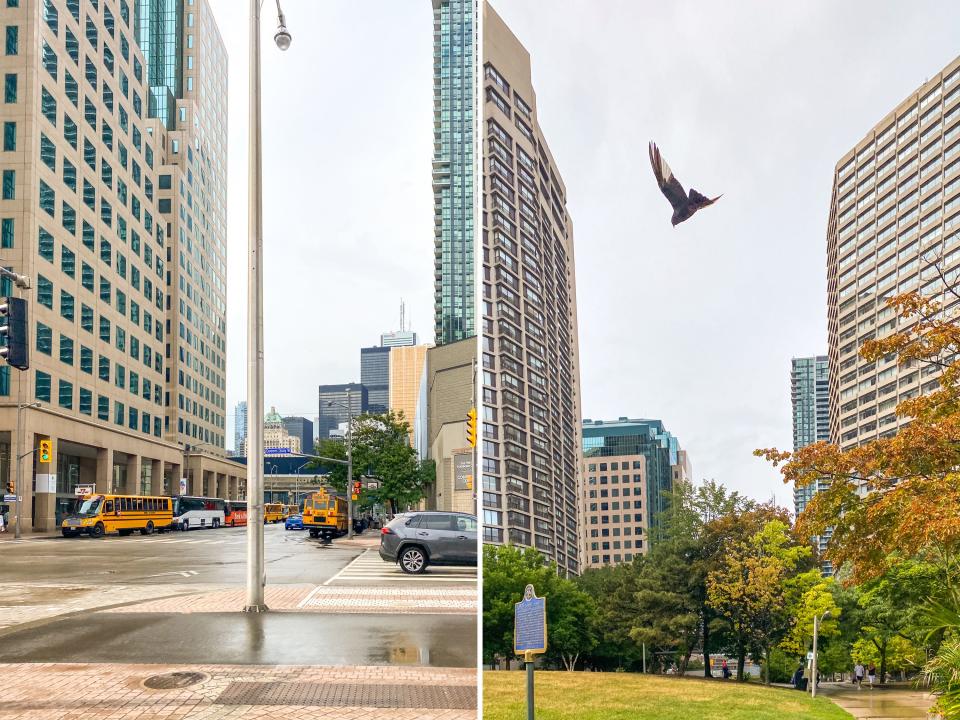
(90, 506)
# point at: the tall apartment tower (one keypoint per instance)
(810, 398)
(531, 385)
(80, 214)
(454, 104)
(895, 211)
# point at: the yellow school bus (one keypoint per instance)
(98, 514)
(289, 510)
(324, 515)
(273, 513)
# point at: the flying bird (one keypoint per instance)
(684, 206)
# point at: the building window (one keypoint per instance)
(67, 306)
(66, 395)
(86, 401)
(10, 185)
(13, 39)
(66, 350)
(42, 386)
(7, 233)
(44, 292)
(10, 88)
(9, 136)
(44, 339)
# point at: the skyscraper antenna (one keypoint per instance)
(403, 312)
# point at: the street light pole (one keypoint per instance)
(256, 579)
(19, 456)
(349, 466)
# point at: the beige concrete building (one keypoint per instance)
(531, 386)
(895, 215)
(276, 436)
(82, 169)
(406, 373)
(449, 394)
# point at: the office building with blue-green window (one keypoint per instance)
(810, 400)
(454, 82)
(80, 215)
(629, 466)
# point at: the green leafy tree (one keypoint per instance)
(381, 448)
(751, 589)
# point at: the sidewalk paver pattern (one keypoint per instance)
(98, 692)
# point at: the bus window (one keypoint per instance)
(108, 506)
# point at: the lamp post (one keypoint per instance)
(349, 408)
(296, 494)
(20, 456)
(817, 619)
(256, 579)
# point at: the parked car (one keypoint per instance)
(417, 540)
(294, 522)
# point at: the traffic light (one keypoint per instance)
(12, 485)
(472, 427)
(356, 487)
(46, 450)
(17, 349)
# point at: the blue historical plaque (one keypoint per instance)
(530, 624)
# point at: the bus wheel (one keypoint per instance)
(97, 530)
(313, 533)
(148, 530)
(216, 523)
(185, 525)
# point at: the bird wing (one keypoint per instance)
(698, 200)
(669, 185)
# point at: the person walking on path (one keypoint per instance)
(726, 671)
(872, 674)
(3, 525)
(858, 672)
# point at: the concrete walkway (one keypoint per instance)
(889, 703)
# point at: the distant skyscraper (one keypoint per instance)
(895, 211)
(530, 364)
(375, 377)
(406, 374)
(332, 415)
(240, 425)
(810, 396)
(398, 338)
(454, 71)
(628, 467)
(302, 428)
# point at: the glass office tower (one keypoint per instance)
(454, 70)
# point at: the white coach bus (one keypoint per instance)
(197, 512)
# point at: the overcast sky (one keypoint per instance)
(756, 100)
(348, 207)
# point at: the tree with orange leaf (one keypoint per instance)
(899, 496)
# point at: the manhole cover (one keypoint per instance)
(174, 680)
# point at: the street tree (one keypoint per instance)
(381, 449)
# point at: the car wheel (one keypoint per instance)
(97, 530)
(413, 560)
(148, 530)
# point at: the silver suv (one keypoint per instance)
(418, 539)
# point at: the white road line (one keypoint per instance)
(346, 567)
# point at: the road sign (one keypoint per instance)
(183, 486)
(276, 451)
(809, 656)
(81, 490)
(9, 498)
(530, 624)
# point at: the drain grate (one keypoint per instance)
(174, 680)
(447, 697)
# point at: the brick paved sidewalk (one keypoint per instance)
(888, 703)
(108, 691)
(25, 602)
(323, 599)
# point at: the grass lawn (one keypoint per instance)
(623, 696)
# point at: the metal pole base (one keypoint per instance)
(255, 608)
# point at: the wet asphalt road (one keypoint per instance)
(197, 556)
(271, 638)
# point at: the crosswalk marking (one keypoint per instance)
(370, 567)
